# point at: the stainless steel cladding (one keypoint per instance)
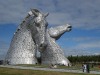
(53, 54)
(32, 35)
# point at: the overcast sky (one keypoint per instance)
(83, 15)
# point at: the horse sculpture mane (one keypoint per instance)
(32, 35)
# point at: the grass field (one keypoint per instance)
(9, 71)
(75, 67)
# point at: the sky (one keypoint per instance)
(82, 15)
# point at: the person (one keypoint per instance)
(83, 67)
(88, 68)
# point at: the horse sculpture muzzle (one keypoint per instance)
(42, 44)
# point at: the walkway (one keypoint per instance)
(49, 69)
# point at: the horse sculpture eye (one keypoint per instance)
(37, 22)
(38, 19)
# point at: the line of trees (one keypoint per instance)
(84, 59)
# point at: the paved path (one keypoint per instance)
(49, 69)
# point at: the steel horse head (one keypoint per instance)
(38, 29)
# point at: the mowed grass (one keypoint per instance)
(9, 71)
(32, 65)
(75, 67)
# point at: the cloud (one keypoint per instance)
(89, 45)
(87, 48)
(76, 52)
(82, 39)
(84, 42)
(79, 13)
(60, 18)
(11, 11)
(3, 49)
(80, 45)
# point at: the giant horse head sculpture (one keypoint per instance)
(33, 34)
(38, 28)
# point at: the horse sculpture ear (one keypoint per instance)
(46, 14)
(35, 12)
(30, 13)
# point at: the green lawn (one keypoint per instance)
(8, 71)
(32, 65)
(75, 67)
